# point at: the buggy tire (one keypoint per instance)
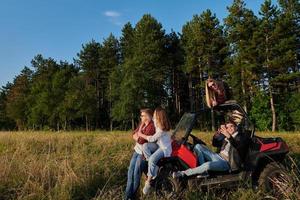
(169, 188)
(166, 187)
(275, 179)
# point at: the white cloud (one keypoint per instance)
(113, 17)
(112, 14)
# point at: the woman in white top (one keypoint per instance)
(162, 139)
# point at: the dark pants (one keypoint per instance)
(136, 167)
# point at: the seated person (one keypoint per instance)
(227, 159)
(137, 164)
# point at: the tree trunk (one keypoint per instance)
(132, 121)
(57, 126)
(86, 123)
(192, 105)
(65, 124)
(244, 89)
(110, 106)
(174, 95)
(270, 87)
(201, 99)
(177, 97)
(98, 100)
(212, 120)
(273, 111)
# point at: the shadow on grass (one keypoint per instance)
(296, 157)
(99, 184)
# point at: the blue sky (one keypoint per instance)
(58, 28)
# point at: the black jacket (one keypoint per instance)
(238, 148)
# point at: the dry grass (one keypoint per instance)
(79, 165)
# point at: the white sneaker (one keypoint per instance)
(147, 188)
(177, 174)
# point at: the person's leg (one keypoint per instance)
(199, 153)
(215, 162)
(149, 148)
(219, 165)
(208, 155)
(152, 169)
(130, 178)
(137, 174)
(154, 158)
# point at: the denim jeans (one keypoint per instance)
(136, 167)
(214, 161)
(149, 148)
(154, 158)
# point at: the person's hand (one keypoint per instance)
(222, 127)
(135, 137)
(140, 134)
(214, 103)
(225, 132)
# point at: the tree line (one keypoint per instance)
(109, 81)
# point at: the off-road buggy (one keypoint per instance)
(261, 168)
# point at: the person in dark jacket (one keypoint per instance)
(229, 157)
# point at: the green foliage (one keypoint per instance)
(111, 80)
(293, 108)
(204, 44)
(17, 96)
(143, 69)
(6, 123)
(260, 113)
(240, 25)
(40, 100)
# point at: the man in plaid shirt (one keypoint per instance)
(137, 164)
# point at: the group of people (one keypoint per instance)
(153, 142)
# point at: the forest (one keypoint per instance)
(258, 55)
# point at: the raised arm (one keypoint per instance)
(152, 138)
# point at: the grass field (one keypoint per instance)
(80, 165)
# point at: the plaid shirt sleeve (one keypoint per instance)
(149, 130)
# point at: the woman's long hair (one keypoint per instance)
(162, 119)
(211, 94)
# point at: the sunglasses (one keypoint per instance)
(213, 85)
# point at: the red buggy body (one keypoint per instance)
(261, 165)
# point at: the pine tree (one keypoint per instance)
(40, 99)
(6, 123)
(60, 81)
(120, 111)
(205, 51)
(80, 103)
(16, 105)
(89, 61)
(266, 41)
(143, 69)
(204, 45)
(176, 78)
(239, 27)
(110, 63)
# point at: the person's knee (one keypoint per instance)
(151, 160)
(146, 145)
(199, 147)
